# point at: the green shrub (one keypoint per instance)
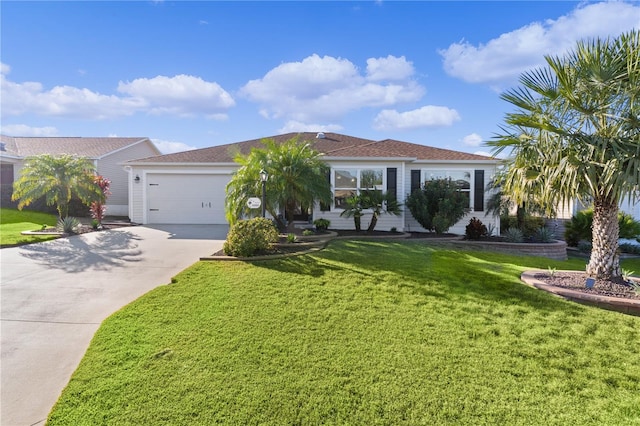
(322, 224)
(438, 205)
(68, 225)
(544, 235)
(530, 226)
(629, 227)
(291, 238)
(475, 229)
(307, 232)
(513, 235)
(629, 248)
(249, 237)
(584, 246)
(580, 226)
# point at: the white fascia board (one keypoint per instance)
(489, 162)
(11, 157)
(369, 159)
(167, 164)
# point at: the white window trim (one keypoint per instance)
(358, 170)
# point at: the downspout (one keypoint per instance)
(129, 171)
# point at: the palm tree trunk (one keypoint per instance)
(373, 223)
(289, 212)
(63, 209)
(605, 259)
(356, 221)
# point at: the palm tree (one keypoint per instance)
(576, 135)
(354, 209)
(379, 202)
(57, 179)
(297, 178)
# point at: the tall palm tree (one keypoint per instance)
(576, 135)
(56, 179)
(297, 178)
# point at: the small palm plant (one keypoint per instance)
(354, 209)
(68, 225)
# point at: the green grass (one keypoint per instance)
(13, 222)
(362, 333)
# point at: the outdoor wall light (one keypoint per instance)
(137, 179)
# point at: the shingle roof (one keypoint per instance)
(82, 147)
(332, 145)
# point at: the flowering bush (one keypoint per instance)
(98, 208)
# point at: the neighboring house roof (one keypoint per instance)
(331, 145)
(94, 148)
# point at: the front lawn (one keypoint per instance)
(361, 333)
(13, 222)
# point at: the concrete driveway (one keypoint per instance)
(54, 295)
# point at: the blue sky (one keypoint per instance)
(198, 74)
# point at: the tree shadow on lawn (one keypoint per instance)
(77, 253)
(428, 271)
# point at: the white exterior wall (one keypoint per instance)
(630, 207)
(385, 221)
(405, 222)
(412, 225)
(110, 167)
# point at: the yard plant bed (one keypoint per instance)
(362, 332)
(576, 281)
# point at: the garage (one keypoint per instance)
(185, 198)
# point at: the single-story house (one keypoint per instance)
(189, 187)
(106, 153)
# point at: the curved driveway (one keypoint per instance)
(54, 295)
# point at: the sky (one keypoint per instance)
(195, 74)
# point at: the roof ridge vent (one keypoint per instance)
(320, 135)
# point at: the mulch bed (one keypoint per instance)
(576, 281)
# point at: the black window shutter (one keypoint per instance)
(415, 180)
(326, 207)
(478, 191)
(392, 181)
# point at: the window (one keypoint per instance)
(461, 178)
(349, 182)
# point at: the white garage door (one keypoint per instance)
(186, 198)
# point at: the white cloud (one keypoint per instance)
(181, 95)
(4, 69)
(389, 68)
(296, 126)
(326, 88)
(473, 139)
(503, 59)
(169, 147)
(24, 130)
(427, 116)
(63, 101)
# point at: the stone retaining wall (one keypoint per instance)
(555, 250)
